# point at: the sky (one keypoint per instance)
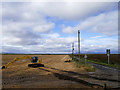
(52, 27)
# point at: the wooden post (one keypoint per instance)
(79, 44)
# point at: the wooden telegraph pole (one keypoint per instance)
(79, 44)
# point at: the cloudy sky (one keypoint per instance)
(51, 27)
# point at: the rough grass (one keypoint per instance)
(101, 63)
(86, 67)
(114, 58)
(102, 59)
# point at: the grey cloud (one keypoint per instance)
(61, 10)
(75, 11)
(105, 23)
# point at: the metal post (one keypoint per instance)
(108, 58)
(108, 54)
(72, 51)
(85, 58)
(79, 44)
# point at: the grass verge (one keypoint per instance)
(101, 63)
(86, 67)
(102, 59)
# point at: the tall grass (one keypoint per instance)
(87, 67)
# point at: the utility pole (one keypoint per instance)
(72, 51)
(79, 44)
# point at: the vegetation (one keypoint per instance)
(87, 67)
(102, 59)
(101, 63)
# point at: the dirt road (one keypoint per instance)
(56, 74)
(19, 75)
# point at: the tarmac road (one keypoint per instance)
(106, 69)
(106, 73)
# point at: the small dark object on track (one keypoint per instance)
(35, 65)
(3, 67)
(68, 61)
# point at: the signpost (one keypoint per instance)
(108, 54)
(85, 58)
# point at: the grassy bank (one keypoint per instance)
(86, 67)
